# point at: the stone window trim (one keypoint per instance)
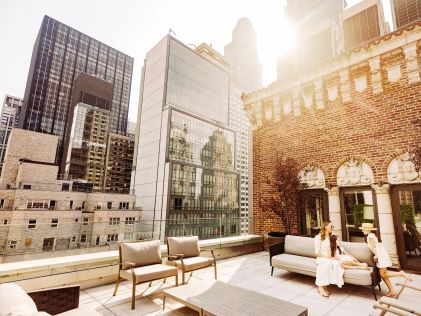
(32, 224)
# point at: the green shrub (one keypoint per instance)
(407, 213)
(358, 214)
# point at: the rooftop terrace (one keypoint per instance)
(251, 271)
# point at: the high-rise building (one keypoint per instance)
(246, 76)
(85, 143)
(185, 180)
(59, 55)
(10, 114)
(38, 212)
(405, 12)
(326, 29)
(241, 54)
(131, 129)
(118, 163)
(88, 145)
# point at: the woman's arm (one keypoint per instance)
(317, 245)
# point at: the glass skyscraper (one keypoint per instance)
(10, 113)
(59, 55)
(186, 180)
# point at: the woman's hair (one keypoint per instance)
(323, 230)
(334, 245)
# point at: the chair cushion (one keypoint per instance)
(358, 277)
(293, 263)
(141, 253)
(300, 246)
(359, 251)
(193, 263)
(149, 273)
(188, 246)
(15, 301)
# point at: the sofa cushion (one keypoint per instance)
(150, 273)
(187, 246)
(358, 277)
(359, 251)
(300, 246)
(193, 263)
(15, 302)
(293, 263)
(141, 253)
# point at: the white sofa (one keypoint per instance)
(296, 254)
(14, 301)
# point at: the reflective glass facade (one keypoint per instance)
(185, 181)
(196, 85)
(60, 54)
(203, 184)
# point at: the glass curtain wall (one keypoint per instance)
(204, 184)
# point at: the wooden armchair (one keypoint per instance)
(141, 262)
(184, 254)
(396, 306)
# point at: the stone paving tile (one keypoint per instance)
(249, 271)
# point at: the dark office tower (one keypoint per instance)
(405, 12)
(59, 55)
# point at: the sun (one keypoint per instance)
(275, 37)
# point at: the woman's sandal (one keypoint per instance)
(323, 293)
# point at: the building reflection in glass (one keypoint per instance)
(204, 184)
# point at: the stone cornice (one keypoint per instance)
(382, 45)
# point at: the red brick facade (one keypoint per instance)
(374, 128)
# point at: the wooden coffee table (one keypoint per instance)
(219, 298)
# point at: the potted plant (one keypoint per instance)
(285, 196)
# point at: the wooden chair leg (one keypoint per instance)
(176, 279)
(165, 279)
(133, 293)
(116, 285)
(216, 273)
(150, 284)
(184, 277)
(271, 273)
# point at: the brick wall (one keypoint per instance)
(373, 128)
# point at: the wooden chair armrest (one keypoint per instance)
(413, 287)
(175, 256)
(57, 300)
(211, 251)
(388, 309)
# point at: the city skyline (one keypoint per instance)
(151, 21)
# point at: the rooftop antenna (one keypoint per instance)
(171, 31)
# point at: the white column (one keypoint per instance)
(387, 231)
(335, 210)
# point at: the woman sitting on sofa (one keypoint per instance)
(329, 269)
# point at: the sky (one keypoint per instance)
(135, 26)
